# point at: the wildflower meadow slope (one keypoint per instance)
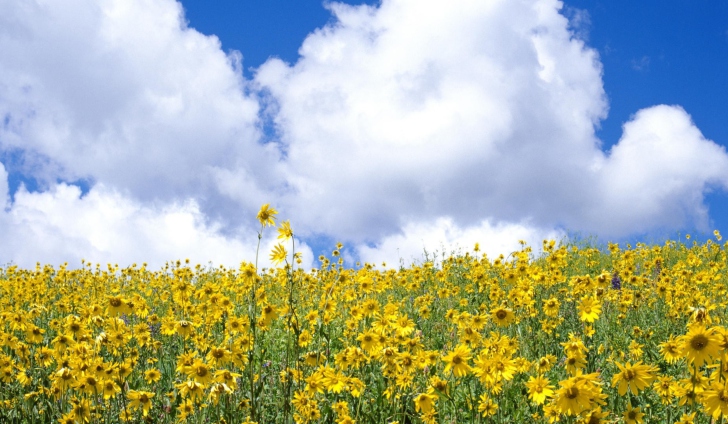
(573, 334)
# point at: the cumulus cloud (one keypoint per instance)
(104, 226)
(405, 126)
(415, 110)
(124, 93)
(443, 237)
(657, 175)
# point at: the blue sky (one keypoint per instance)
(652, 53)
(146, 131)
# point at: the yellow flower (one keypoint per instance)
(574, 396)
(487, 406)
(665, 388)
(227, 377)
(64, 378)
(218, 390)
(595, 416)
(633, 415)
(81, 410)
(539, 389)
(457, 361)
(502, 316)
(152, 375)
(574, 364)
(278, 254)
(303, 403)
(671, 350)
(140, 399)
(424, 401)
(284, 231)
(314, 384)
(305, 338)
(268, 314)
(200, 372)
(687, 419)
(116, 305)
(110, 389)
(633, 377)
(185, 409)
(574, 346)
(700, 345)
(190, 389)
(715, 400)
(219, 356)
(439, 384)
(551, 307)
(369, 341)
(67, 419)
(90, 384)
(589, 309)
(494, 368)
(34, 334)
(545, 363)
(185, 328)
(266, 215)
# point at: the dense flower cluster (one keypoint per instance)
(575, 334)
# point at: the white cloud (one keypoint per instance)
(104, 226)
(443, 237)
(656, 176)
(124, 93)
(416, 110)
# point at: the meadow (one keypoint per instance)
(573, 334)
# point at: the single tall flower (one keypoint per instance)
(266, 215)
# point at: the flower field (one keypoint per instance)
(573, 334)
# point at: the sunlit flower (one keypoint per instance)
(266, 215)
(502, 316)
(140, 400)
(573, 397)
(700, 345)
(457, 361)
(589, 309)
(633, 415)
(715, 399)
(424, 402)
(539, 389)
(633, 377)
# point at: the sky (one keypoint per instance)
(153, 130)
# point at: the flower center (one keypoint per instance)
(699, 342)
(572, 393)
